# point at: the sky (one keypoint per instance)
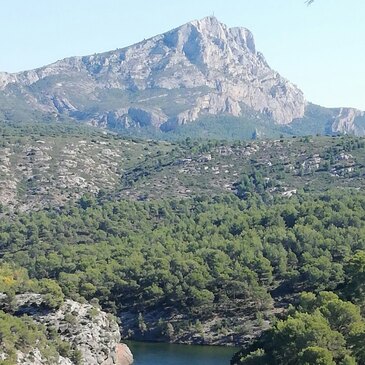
(320, 48)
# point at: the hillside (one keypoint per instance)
(43, 165)
(197, 241)
(194, 242)
(202, 78)
(270, 167)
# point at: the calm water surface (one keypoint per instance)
(146, 353)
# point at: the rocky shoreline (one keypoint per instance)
(216, 329)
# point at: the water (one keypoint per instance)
(147, 353)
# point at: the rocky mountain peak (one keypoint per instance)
(200, 68)
(209, 42)
(211, 27)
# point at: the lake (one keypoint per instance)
(147, 353)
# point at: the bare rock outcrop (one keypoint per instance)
(124, 355)
(345, 121)
(94, 333)
(91, 330)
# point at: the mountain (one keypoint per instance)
(201, 72)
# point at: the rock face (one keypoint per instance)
(202, 67)
(93, 332)
(123, 355)
(36, 358)
(345, 122)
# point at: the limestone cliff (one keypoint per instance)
(88, 330)
(345, 122)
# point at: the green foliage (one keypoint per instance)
(15, 280)
(315, 356)
(355, 272)
(196, 255)
(76, 357)
(52, 292)
(323, 330)
(258, 357)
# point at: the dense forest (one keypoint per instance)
(204, 255)
(236, 248)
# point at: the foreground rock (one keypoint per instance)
(92, 333)
(124, 355)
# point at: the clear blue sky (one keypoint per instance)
(321, 48)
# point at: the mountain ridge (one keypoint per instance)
(202, 68)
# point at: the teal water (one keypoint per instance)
(147, 353)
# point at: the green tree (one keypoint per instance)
(292, 336)
(355, 275)
(315, 356)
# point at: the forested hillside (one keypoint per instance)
(205, 257)
(198, 241)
